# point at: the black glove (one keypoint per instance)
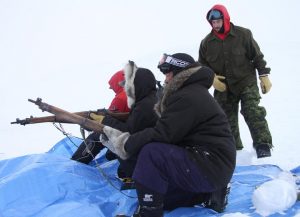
(102, 111)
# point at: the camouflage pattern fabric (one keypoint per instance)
(254, 115)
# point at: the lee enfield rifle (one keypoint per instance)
(54, 118)
(62, 116)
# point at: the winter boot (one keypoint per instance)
(150, 202)
(263, 150)
(217, 200)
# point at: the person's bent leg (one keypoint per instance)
(86, 152)
(163, 166)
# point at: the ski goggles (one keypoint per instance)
(215, 15)
(167, 61)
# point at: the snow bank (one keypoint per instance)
(276, 195)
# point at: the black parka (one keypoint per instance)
(142, 115)
(192, 119)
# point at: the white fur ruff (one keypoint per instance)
(129, 72)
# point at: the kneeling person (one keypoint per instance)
(188, 157)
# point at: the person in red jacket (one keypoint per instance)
(86, 153)
(119, 102)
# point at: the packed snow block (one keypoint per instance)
(244, 181)
(51, 184)
(266, 199)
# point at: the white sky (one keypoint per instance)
(64, 51)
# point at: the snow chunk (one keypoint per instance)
(276, 195)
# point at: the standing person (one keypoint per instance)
(188, 157)
(233, 54)
(86, 153)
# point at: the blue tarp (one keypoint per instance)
(50, 184)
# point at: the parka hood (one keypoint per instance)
(195, 73)
(140, 82)
(226, 20)
(115, 81)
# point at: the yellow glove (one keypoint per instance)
(265, 84)
(98, 118)
(218, 84)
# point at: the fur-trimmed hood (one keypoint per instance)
(188, 76)
(139, 82)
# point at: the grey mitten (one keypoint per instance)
(117, 140)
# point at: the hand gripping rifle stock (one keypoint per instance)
(69, 117)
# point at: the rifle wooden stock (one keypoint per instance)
(68, 116)
(53, 118)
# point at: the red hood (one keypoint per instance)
(226, 20)
(115, 80)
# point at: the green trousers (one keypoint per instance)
(254, 115)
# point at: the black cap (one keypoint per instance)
(175, 63)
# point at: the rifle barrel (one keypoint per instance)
(68, 116)
(122, 116)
